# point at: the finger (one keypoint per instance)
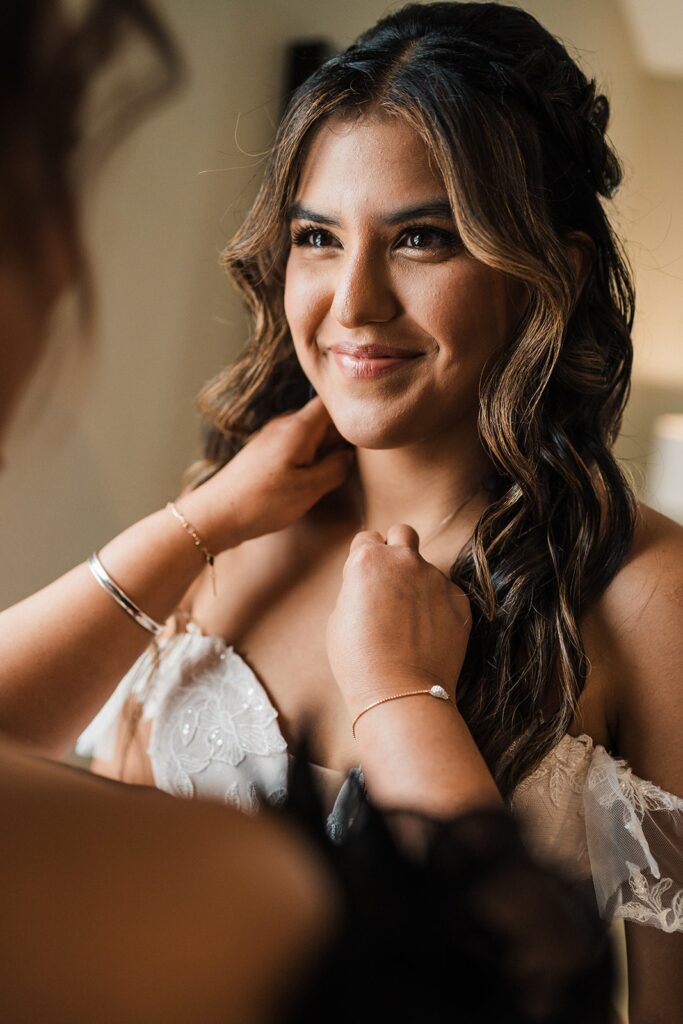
(316, 421)
(366, 537)
(331, 471)
(331, 439)
(363, 539)
(317, 431)
(402, 533)
(311, 409)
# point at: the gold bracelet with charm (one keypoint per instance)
(434, 691)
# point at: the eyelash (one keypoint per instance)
(447, 240)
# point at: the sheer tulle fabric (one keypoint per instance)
(586, 810)
(215, 734)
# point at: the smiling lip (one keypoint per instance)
(367, 361)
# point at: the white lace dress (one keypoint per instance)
(215, 734)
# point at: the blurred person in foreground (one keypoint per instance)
(119, 903)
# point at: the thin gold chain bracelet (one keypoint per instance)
(197, 541)
(433, 691)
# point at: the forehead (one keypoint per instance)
(372, 162)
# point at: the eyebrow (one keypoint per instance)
(432, 208)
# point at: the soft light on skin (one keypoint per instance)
(363, 273)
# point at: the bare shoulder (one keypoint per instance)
(636, 626)
(649, 586)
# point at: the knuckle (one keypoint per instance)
(358, 555)
(362, 556)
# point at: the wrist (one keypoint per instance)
(215, 524)
(418, 753)
(435, 692)
(398, 683)
(153, 562)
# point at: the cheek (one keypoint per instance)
(306, 302)
(468, 310)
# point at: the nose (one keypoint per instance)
(363, 291)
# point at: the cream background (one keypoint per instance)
(110, 444)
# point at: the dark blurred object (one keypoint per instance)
(301, 60)
(447, 920)
(74, 80)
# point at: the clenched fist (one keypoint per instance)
(399, 623)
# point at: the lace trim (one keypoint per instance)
(560, 770)
(217, 715)
(647, 907)
(210, 713)
(644, 796)
(608, 821)
(650, 820)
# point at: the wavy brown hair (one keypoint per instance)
(517, 132)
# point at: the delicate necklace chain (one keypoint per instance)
(440, 526)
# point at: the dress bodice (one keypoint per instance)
(215, 734)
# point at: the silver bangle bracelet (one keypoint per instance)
(129, 606)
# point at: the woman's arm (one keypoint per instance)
(409, 627)
(120, 903)
(417, 753)
(63, 650)
(639, 621)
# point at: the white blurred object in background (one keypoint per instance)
(665, 467)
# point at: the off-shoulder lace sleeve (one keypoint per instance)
(634, 833)
(147, 681)
(587, 811)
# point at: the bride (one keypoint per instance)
(100, 880)
(430, 252)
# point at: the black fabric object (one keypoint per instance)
(446, 920)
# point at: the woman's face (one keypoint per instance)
(392, 320)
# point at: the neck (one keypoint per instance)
(422, 483)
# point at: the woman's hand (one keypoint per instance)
(399, 623)
(281, 472)
(64, 649)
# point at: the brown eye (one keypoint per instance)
(419, 239)
(317, 239)
(429, 238)
(312, 238)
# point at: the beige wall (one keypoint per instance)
(110, 444)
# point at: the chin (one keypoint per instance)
(365, 430)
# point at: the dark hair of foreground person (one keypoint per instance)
(447, 920)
